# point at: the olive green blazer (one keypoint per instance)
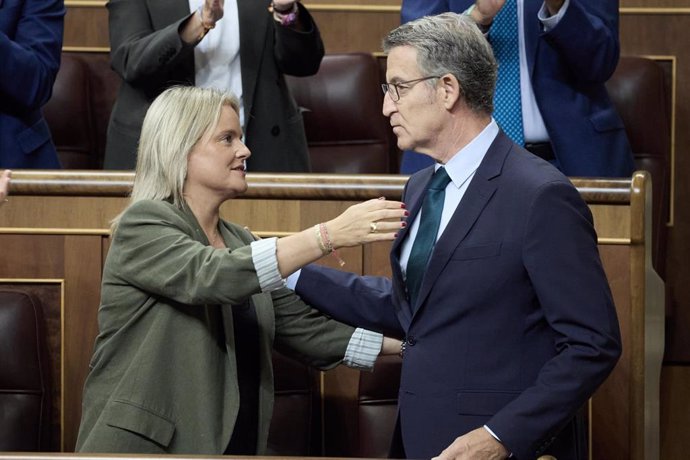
(163, 377)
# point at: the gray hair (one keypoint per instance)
(176, 120)
(452, 43)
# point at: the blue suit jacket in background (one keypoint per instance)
(568, 68)
(30, 47)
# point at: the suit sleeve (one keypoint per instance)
(361, 301)
(587, 39)
(561, 257)
(306, 334)
(30, 59)
(139, 53)
(298, 53)
(415, 9)
(155, 250)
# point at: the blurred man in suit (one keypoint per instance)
(565, 51)
(497, 287)
(30, 47)
(237, 46)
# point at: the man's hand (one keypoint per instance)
(554, 6)
(477, 444)
(485, 11)
(212, 11)
(390, 346)
(284, 5)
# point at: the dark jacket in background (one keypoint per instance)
(30, 47)
(149, 55)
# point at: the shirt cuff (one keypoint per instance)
(363, 349)
(266, 264)
(549, 22)
(291, 281)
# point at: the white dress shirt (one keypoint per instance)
(217, 56)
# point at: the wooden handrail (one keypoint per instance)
(283, 186)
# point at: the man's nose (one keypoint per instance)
(388, 105)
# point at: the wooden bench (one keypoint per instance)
(54, 237)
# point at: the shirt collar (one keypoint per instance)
(466, 161)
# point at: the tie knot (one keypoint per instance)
(439, 180)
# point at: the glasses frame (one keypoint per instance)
(395, 95)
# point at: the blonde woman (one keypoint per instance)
(192, 305)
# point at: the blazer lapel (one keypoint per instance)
(478, 194)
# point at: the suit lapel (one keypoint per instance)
(413, 198)
(253, 31)
(477, 196)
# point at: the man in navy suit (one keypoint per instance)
(30, 47)
(569, 49)
(512, 326)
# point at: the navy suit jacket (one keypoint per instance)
(568, 67)
(30, 47)
(514, 325)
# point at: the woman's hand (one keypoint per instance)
(4, 185)
(372, 220)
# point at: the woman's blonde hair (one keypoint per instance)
(176, 120)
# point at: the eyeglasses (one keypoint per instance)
(393, 89)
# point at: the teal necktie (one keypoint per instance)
(426, 234)
(504, 40)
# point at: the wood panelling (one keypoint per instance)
(675, 411)
(654, 31)
(86, 28)
(83, 262)
(641, 35)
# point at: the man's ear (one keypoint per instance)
(451, 90)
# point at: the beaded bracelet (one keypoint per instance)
(325, 243)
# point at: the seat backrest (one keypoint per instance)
(25, 389)
(341, 107)
(78, 111)
(296, 425)
(639, 91)
(378, 408)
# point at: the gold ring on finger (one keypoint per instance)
(373, 227)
